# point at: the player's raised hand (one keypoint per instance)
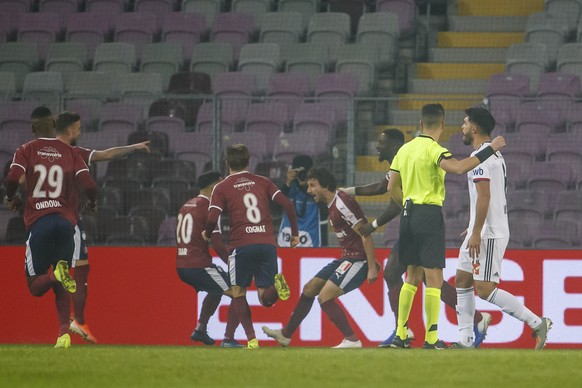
(294, 241)
(143, 146)
(498, 143)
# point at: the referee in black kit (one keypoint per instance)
(417, 182)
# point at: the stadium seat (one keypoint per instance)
(552, 234)
(549, 29)
(15, 118)
(164, 58)
(406, 11)
(159, 143)
(127, 230)
(504, 93)
(154, 216)
(288, 89)
(208, 8)
(569, 206)
(361, 60)
(140, 88)
(282, 28)
(255, 8)
(534, 119)
(66, 58)
(19, 58)
(307, 58)
(185, 28)
(292, 144)
(353, 8)
(565, 148)
(316, 118)
(268, 119)
(258, 148)
(137, 28)
(17, 6)
(304, 7)
(88, 28)
(109, 7)
(261, 60)
(158, 7)
(235, 90)
(114, 57)
(331, 29)
(167, 232)
(557, 91)
(570, 59)
(380, 30)
(336, 89)
(529, 59)
(7, 85)
(179, 188)
(550, 176)
(44, 88)
(212, 58)
(570, 10)
(40, 28)
(174, 168)
(527, 150)
(234, 28)
(456, 201)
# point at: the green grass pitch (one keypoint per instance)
(165, 366)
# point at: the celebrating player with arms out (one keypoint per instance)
(52, 170)
(358, 262)
(245, 197)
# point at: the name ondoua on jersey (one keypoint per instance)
(48, 204)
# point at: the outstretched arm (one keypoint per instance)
(377, 188)
(117, 152)
(391, 212)
(455, 166)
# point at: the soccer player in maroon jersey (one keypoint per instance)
(68, 130)
(245, 197)
(194, 263)
(52, 170)
(357, 264)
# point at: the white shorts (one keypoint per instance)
(487, 266)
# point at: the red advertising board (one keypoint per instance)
(135, 297)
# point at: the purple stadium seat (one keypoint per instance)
(521, 232)
(552, 234)
(565, 148)
(15, 117)
(292, 144)
(289, 89)
(159, 7)
(517, 173)
(205, 119)
(64, 8)
(120, 116)
(406, 11)
(39, 28)
(234, 28)
(138, 28)
(268, 119)
(235, 90)
(532, 203)
(569, 206)
(574, 119)
(550, 176)
(192, 142)
(524, 149)
(186, 28)
(17, 6)
(534, 120)
(88, 28)
(335, 89)
(557, 91)
(316, 117)
(505, 92)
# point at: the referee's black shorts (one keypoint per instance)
(422, 237)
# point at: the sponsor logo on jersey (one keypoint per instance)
(478, 171)
(48, 204)
(49, 153)
(341, 234)
(243, 184)
(255, 229)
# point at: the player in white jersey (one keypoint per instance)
(480, 256)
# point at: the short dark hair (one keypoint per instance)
(66, 119)
(324, 176)
(482, 118)
(237, 156)
(40, 113)
(394, 134)
(302, 160)
(208, 178)
(432, 114)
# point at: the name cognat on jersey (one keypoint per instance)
(255, 229)
(48, 204)
(182, 251)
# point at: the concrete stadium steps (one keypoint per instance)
(448, 101)
(412, 117)
(448, 86)
(479, 39)
(456, 70)
(468, 55)
(499, 7)
(487, 23)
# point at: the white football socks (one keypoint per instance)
(512, 306)
(465, 313)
